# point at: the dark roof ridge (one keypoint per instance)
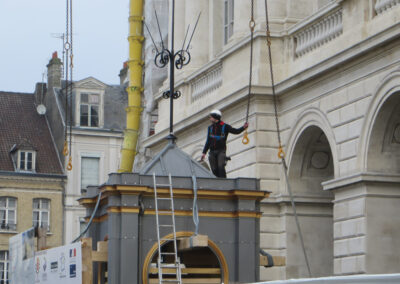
(15, 93)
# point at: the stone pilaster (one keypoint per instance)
(366, 223)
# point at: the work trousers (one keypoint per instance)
(217, 161)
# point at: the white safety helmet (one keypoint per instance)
(216, 114)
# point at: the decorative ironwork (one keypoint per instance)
(165, 56)
(166, 95)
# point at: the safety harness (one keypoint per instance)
(218, 137)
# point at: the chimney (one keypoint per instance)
(54, 72)
(123, 74)
(40, 92)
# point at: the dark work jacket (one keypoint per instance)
(216, 140)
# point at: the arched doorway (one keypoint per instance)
(384, 141)
(200, 265)
(311, 163)
(382, 200)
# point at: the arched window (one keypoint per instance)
(41, 213)
(8, 213)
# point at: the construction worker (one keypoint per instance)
(217, 133)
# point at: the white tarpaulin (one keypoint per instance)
(61, 265)
(21, 249)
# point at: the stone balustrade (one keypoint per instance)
(383, 5)
(210, 80)
(319, 33)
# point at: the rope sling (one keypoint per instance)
(281, 153)
(252, 24)
(246, 140)
(68, 74)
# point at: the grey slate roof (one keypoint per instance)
(22, 126)
(115, 102)
(172, 160)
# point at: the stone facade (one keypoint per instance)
(25, 189)
(337, 77)
(95, 137)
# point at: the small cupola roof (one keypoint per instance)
(172, 160)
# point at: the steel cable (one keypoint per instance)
(281, 154)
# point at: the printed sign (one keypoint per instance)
(61, 265)
(22, 264)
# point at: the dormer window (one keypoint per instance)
(89, 110)
(26, 161)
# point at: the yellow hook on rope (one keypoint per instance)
(71, 64)
(69, 166)
(65, 150)
(245, 139)
(281, 154)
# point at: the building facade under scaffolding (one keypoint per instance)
(336, 66)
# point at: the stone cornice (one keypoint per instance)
(30, 176)
(366, 177)
(82, 131)
(382, 38)
(304, 199)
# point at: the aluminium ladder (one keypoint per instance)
(162, 255)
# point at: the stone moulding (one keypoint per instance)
(360, 177)
(319, 33)
(383, 5)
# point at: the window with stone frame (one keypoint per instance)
(8, 213)
(90, 167)
(228, 19)
(26, 160)
(4, 264)
(89, 109)
(41, 213)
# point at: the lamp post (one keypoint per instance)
(176, 60)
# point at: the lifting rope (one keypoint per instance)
(252, 24)
(281, 153)
(68, 72)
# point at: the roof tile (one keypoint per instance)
(21, 124)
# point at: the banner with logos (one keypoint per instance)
(21, 248)
(61, 265)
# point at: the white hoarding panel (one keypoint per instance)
(21, 249)
(61, 265)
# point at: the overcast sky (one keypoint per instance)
(28, 37)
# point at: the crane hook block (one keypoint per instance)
(281, 154)
(245, 139)
(69, 166)
(65, 150)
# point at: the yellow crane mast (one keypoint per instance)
(135, 88)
